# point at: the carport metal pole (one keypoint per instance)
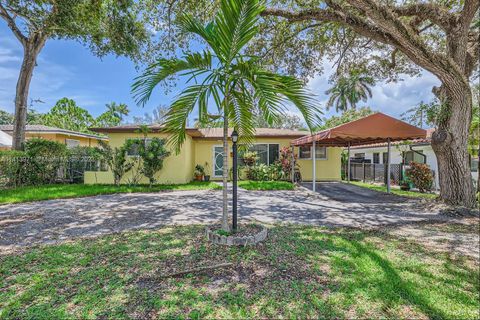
(293, 164)
(348, 163)
(314, 166)
(388, 165)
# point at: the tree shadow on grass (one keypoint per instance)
(351, 257)
(298, 272)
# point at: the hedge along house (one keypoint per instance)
(68, 137)
(204, 147)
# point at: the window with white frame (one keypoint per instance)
(305, 152)
(409, 156)
(72, 143)
(267, 153)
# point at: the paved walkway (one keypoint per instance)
(59, 220)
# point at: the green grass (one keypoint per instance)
(410, 194)
(59, 191)
(299, 272)
(266, 185)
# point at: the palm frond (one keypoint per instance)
(208, 33)
(236, 25)
(241, 115)
(294, 91)
(157, 72)
(176, 118)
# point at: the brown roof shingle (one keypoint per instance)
(207, 133)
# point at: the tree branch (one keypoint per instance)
(436, 14)
(470, 8)
(382, 24)
(12, 25)
(273, 47)
(328, 15)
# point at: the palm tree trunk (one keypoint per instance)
(225, 169)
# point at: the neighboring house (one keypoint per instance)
(5, 141)
(68, 137)
(419, 150)
(204, 146)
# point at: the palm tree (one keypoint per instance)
(117, 110)
(223, 75)
(349, 91)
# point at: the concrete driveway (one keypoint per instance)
(334, 205)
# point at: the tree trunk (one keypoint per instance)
(450, 143)
(478, 172)
(225, 170)
(31, 51)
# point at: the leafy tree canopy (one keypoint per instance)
(67, 114)
(33, 117)
(285, 121)
(156, 117)
(6, 117)
(349, 90)
(113, 116)
(103, 26)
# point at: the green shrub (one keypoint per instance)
(420, 175)
(250, 158)
(38, 147)
(116, 159)
(40, 163)
(84, 151)
(153, 154)
(263, 172)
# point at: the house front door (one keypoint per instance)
(217, 161)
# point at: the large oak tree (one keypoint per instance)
(394, 37)
(105, 26)
(385, 37)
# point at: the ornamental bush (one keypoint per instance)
(152, 155)
(420, 175)
(42, 162)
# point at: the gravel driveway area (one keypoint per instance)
(59, 220)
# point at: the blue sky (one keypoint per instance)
(67, 69)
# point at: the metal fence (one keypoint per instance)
(373, 172)
(22, 171)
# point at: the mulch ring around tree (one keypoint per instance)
(246, 234)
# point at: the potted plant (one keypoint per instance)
(206, 176)
(404, 185)
(199, 172)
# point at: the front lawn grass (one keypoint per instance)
(403, 193)
(60, 191)
(299, 272)
(266, 185)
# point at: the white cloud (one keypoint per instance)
(392, 98)
(49, 82)
(8, 55)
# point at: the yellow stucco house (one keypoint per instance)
(204, 147)
(67, 137)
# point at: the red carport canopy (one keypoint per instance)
(374, 128)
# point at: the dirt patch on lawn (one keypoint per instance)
(459, 237)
